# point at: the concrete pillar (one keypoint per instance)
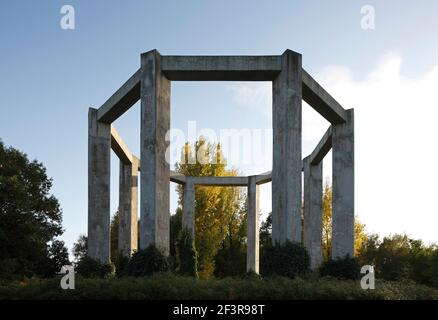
(188, 214)
(313, 211)
(99, 166)
(343, 188)
(252, 253)
(286, 167)
(155, 171)
(128, 207)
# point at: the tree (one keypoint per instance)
(114, 231)
(215, 207)
(30, 217)
(327, 211)
(360, 236)
(80, 248)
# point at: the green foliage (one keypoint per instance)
(398, 257)
(90, 268)
(170, 287)
(114, 231)
(121, 265)
(80, 248)
(288, 260)
(187, 255)
(146, 262)
(341, 268)
(218, 210)
(30, 217)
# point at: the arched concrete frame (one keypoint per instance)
(151, 84)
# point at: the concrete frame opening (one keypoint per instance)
(291, 85)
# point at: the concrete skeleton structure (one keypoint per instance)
(151, 84)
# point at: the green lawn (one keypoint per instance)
(169, 286)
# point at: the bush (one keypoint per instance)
(288, 260)
(90, 268)
(341, 268)
(187, 255)
(146, 262)
(121, 264)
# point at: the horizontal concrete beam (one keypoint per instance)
(264, 177)
(322, 101)
(322, 148)
(221, 181)
(123, 99)
(120, 148)
(177, 177)
(221, 68)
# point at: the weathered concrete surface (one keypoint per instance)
(221, 68)
(312, 235)
(123, 99)
(99, 166)
(323, 147)
(119, 147)
(188, 214)
(322, 101)
(155, 174)
(343, 188)
(287, 164)
(252, 253)
(128, 207)
(221, 181)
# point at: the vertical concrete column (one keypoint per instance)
(286, 168)
(313, 211)
(99, 152)
(188, 214)
(128, 207)
(252, 253)
(155, 171)
(343, 188)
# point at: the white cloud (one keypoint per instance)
(396, 142)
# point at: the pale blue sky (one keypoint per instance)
(49, 77)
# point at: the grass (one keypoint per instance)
(172, 287)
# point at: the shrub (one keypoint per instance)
(90, 268)
(187, 255)
(121, 264)
(146, 262)
(288, 259)
(341, 268)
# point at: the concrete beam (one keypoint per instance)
(312, 235)
(188, 214)
(123, 99)
(322, 101)
(323, 147)
(343, 188)
(264, 177)
(252, 251)
(221, 68)
(177, 177)
(221, 181)
(99, 166)
(155, 170)
(287, 163)
(119, 147)
(128, 207)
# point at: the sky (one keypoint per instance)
(49, 77)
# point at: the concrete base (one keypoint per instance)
(343, 188)
(188, 214)
(128, 208)
(252, 255)
(99, 166)
(155, 171)
(312, 235)
(287, 164)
